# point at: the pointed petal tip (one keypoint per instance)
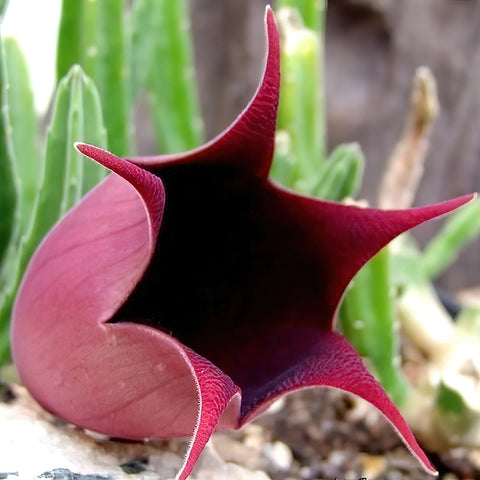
(421, 457)
(256, 123)
(450, 205)
(105, 158)
(149, 186)
(463, 199)
(270, 23)
(118, 165)
(87, 149)
(80, 146)
(268, 11)
(99, 155)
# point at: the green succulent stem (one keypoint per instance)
(460, 228)
(311, 11)
(76, 117)
(170, 80)
(342, 174)
(301, 123)
(112, 74)
(70, 47)
(23, 124)
(92, 34)
(9, 190)
(367, 318)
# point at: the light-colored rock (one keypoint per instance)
(373, 465)
(33, 442)
(278, 455)
(212, 467)
(234, 450)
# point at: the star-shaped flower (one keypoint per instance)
(187, 292)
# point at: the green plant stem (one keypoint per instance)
(312, 11)
(368, 320)
(76, 117)
(342, 175)
(8, 191)
(112, 74)
(92, 34)
(23, 124)
(301, 109)
(142, 45)
(171, 87)
(70, 45)
(459, 229)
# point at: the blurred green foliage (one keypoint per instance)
(109, 54)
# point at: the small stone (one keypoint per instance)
(308, 473)
(474, 457)
(211, 466)
(66, 474)
(278, 455)
(167, 463)
(394, 475)
(372, 465)
(450, 476)
(48, 443)
(254, 436)
(137, 465)
(232, 450)
(337, 458)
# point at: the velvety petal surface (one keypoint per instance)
(110, 378)
(219, 405)
(252, 282)
(248, 143)
(188, 291)
(327, 360)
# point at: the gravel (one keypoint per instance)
(318, 434)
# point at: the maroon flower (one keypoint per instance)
(187, 292)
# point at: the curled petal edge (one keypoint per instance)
(332, 362)
(206, 396)
(248, 143)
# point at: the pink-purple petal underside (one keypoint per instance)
(126, 380)
(332, 362)
(248, 143)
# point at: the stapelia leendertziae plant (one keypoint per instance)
(187, 292)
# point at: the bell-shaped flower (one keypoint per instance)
(187, 292)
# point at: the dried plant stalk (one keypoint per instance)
(405, 166)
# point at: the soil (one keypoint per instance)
(335, 436)
(311, 435)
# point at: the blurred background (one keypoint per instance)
(372, 50)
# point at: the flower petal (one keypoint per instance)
(332, 362)
(149, 186)
(248, 143)
(219, 403)
(290, 271)
(348, 236)
(126, 379)
(245, 272)
(106, 377)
